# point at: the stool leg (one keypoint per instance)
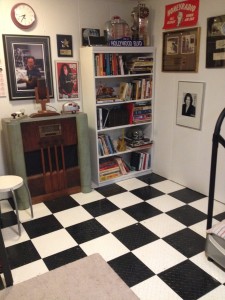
(17, 213)
(30, 202)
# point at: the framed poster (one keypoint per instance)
(67, 80)
(64, 45)
(181, 50)
(215, 46)
(27, 59)
(190, 103)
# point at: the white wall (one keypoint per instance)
(183, 154)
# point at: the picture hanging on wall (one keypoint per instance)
(215, 47)
(181, 50)
(190, 104)
(28, 58)
(67, 80)
(64, 45)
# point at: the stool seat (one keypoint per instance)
(9, 183)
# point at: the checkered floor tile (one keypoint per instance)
(150, 230)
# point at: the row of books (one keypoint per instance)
(140, 88)
(140, 160)
(105, 145)
(128, 113)
(139, 112)
(112, 168)
(116, 64)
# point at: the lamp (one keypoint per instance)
(42, 97)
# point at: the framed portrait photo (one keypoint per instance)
(181, 50)
(28, 58)
(190, 104)
(67, 78)
(215, 46)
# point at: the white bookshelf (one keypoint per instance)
(90, 82)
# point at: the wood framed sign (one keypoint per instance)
(181, 50)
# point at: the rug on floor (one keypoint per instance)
(88, 278)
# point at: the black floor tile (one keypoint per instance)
(86, 231)
(186, 241)
(151, 178)
(188, 280)
(220, 217)
(130, 269)
(60, 204)
(8, 219)
(142, 211)
(146, 192)
(65, 257)
(110, 190)
(187, 195)
(187, 215)
(135, 236)
(22, 254)
(41, 226)
(100, 207)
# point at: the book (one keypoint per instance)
(123, 90)
(121, 165)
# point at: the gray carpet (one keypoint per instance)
(88, 278)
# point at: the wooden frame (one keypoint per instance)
(67, 85)
(18, 48)
(190, 93)
(215, 46)
(181, 50)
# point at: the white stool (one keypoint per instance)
(9, 183)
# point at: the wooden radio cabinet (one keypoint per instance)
(50, 153)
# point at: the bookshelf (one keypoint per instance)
(118, 97)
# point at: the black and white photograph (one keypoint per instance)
(190, 104)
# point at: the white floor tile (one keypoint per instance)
(167, 186)
(29, 271)
(107, 246)
(165, 203)
(40, 210)
(216, 294)
(72, 216)
(159, 256)
(202, 205)
(53, 242)
(125, 199)
(162, 225)
(133, 183)
(199, 228)
(84, 198)
(154, 289)
(116, 220)
(5, 206)
(11, 237)
(209, 267)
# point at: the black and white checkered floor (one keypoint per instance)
(150, 230)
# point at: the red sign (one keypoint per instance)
(181, 14)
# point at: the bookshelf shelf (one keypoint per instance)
(109, 74)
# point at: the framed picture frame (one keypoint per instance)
(27, 59)
(89, 32)
(190, 104)
(64, 45)
(215, 46)
(67, 78)
(181, 50)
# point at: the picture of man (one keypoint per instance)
(31, 75)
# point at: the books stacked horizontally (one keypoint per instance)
(140, 64)
(105, 145)
(111, 168)
(140, 161)
(142, 113)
